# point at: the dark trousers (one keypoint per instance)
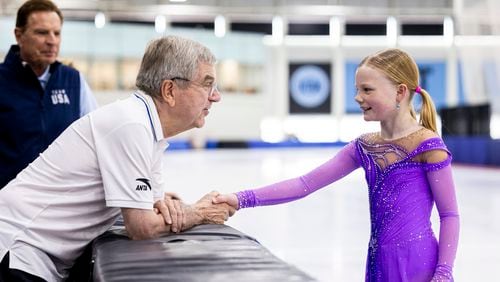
(15, 275)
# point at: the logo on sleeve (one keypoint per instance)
(142, 184)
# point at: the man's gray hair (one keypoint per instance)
(169, 57)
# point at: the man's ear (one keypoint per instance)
(167, 92)
(17, 33)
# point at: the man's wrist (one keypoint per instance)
(198, 210)
(193, 216)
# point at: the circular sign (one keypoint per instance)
(309, 86)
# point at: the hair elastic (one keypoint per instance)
(418, 89)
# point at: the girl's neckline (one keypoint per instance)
(379, 135)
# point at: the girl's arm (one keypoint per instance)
(443, 190)
(292, 189)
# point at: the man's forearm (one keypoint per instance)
(144, 224)
(191, 217)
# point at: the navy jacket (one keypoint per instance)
(31, 117)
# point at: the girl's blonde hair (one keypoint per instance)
(400, 68)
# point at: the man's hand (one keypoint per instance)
(181, 216)
(205, 212)
(172, 210)
(213, 213)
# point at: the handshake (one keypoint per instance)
(212, 208)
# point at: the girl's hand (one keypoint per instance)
(229, 199)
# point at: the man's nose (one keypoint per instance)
(216, 96)
(52, 38)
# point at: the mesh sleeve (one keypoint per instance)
(292, 189)
(443, 190)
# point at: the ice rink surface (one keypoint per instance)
(326, 234)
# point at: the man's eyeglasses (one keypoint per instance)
(211, 88)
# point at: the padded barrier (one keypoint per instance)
(204, 253)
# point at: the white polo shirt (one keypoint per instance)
(73, 192)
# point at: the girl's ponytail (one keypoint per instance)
(428, 111)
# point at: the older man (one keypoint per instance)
(39, 97)
(109, 163)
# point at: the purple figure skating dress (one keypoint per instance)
(405, 177)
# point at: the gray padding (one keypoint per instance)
(203, 253)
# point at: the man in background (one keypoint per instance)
(39, 96)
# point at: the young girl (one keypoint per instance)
(407, 169)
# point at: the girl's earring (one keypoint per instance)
(397, 106)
